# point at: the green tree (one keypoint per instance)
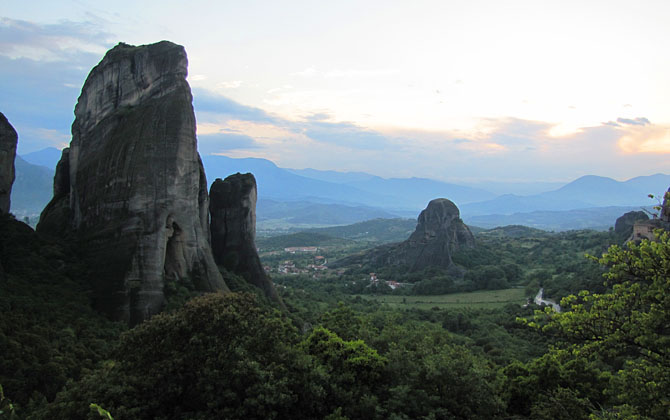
(220, 356)
(356, 373)
(628, 326)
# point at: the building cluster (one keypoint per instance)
(295, 249)
(289, 267)
(390, 283)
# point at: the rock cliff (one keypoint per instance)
(623, 226)
(8, 139)
(131, 186)
(233, 224)
(438, 234)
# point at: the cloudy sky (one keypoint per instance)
(450, 89)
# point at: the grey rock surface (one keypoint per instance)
(233, 224)
(8, 140)
(131, 187)
(624, 224)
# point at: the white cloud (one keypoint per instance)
(50, 42)
(308, 72)
(233, 84)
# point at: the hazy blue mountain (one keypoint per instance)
(650, 184)
(32, 190)
(281, 185)
(586, 192)
(48, 157)
(516, 188)
(510, 203)
(412, 193)
(598, 218)
(333, 176)
(307, 213)
(599, 191)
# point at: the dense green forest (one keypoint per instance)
(335, 353)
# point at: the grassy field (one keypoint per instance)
(481, 299)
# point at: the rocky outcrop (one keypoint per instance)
(8, 139)
(132, 187)
(232, 208)
(646, 229)
(623, 226)
(439, 233)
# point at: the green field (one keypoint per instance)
(485, 299)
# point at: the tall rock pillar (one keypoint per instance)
(233, 211)
(131, 187)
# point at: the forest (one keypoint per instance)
(336, 351)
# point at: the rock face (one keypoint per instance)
(233, 223)
(623, 226)
(131, 186)
(439, 233)
(8, 139)
(646, 229)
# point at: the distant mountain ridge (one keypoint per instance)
(583, 193)
(33, 188)
(303, 197)
(47, 157)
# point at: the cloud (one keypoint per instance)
(38, 97)
(308, 72)
(636, 121)
(233, 84)
(318, 116)
(51, 42)
(344, 134)
(359, 73)
(646, 139)
(42, 69)
(206, 101)
(225, 141)
(217, 109)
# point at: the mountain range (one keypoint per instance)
(310, 197)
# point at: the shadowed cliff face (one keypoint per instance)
(8, 140)
(131, 186)
(233, 213)
(439, 233)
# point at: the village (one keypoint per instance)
(305, 262)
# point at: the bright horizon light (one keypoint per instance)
(442, 89)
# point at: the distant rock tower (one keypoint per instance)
(8, 140)
(439, 233)
(131, 187)
(233, 212)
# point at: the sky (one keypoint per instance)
(454, 90)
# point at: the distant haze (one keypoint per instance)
(464, 92)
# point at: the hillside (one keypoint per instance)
(308, 213)
(376, 230)
(298, 239)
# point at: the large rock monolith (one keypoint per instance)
(131, 187)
